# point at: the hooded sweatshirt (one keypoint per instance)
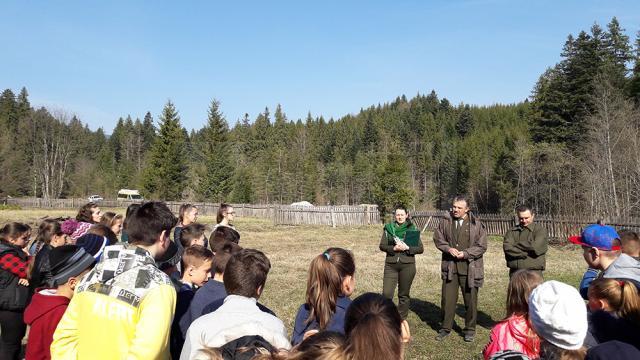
(122, 309)
(624, 267)
(42, 315)
(514, 333)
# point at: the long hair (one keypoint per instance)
(12, 231)
(373, 327)
(324, 283)
(520, 287)
(222, 210)
(47, 230)
(109, 218)
(84, 214)
(548, 351)
(621, 295)
(325, 345)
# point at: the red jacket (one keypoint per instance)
(514, 333)
(43, 314)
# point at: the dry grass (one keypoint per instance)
(290, 250)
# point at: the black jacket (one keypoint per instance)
(13, 296)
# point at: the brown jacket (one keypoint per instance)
(443, 239)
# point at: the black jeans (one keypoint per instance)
(13, 329)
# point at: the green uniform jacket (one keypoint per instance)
(405, 257)
(443, 239)
(525, 247)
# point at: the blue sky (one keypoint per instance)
(104, 59)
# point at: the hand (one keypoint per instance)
(23, 282)
(460, 255)
(398, 248)
(454, 252)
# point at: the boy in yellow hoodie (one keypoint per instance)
(124, 307)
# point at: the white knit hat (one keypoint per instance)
(558, 314)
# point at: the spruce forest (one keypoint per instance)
(572, 147)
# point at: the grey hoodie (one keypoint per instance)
(624, 267)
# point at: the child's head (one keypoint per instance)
(246, 273)
(168, 262)
(520, 286)
(612, 295)
(93, 244)
(89, 213)
(325, 345)
(50, 233)
(600, 245)
(222, 255)
(193, 234)
(196, 264)
(331, 274)
(149, 226)
(16, 234)
(374, 328)
(558, 315)
(222, 234)
(630, 243)
(130, 210)
(187, 214)
(68, 264)
(113, 221)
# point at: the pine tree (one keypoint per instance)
(165, 175)
(215, 179)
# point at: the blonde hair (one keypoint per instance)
(621, 295)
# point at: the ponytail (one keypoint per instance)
(324, 283)
(621, 295)
(373, 327)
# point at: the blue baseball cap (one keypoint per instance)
(597, 236)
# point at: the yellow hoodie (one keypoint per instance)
(123, 309)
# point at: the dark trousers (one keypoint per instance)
(402, 275)
(13, 330)
(450, 300)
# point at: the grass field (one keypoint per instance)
(290, 250)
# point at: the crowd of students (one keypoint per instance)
(103, 286)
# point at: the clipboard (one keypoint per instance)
(412, 238)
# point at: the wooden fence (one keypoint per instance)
(559, 227)
(327, 215)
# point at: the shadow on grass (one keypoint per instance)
(431, 314)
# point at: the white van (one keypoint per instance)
(130, 195)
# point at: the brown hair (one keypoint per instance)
(195, 256)
(191, 232)
(13, 230)
(552, 352)
(630, 242)
(325, 345)
(373, 327)
(130, 210)
(222, 211)
(222, 255)
(621, 295)
(145, 224)
(109, 218)
(184, 209)
(246, 271)
(221, 234)
(48, 229)
(521, 285)
(84, 214)
(104, 230)
(324, 283)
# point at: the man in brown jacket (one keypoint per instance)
(463, 241)
(526, 244)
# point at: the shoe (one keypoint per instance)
(469, 337)
(442, 334)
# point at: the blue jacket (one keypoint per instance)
(335, 324)
(210, 292)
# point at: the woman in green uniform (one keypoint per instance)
(400, 264)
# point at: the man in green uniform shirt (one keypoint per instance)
(463, 241)
(526, 244)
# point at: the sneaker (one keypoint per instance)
(442, 334)
(469, 337)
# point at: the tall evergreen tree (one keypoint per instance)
(165, 175)
(215, 179)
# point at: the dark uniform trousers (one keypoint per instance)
(460, 281)
(401, 274)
